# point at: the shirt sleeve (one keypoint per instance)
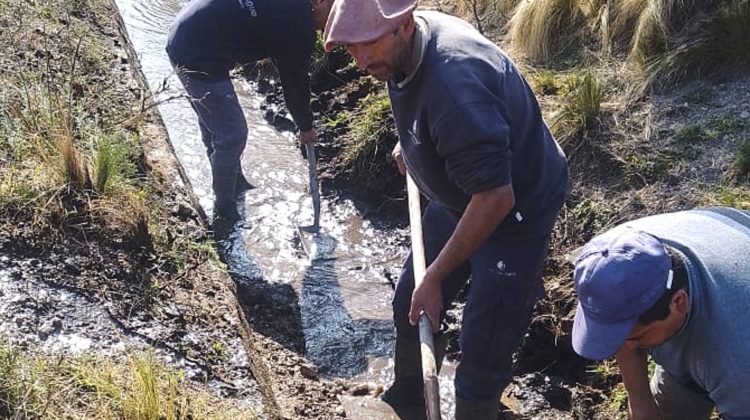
(474, 141)
(295, 83)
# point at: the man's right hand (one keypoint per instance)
(309, 136)
(396, 153)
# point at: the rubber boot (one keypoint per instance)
(242, 184)
(477, 410)
(406, 394)
(225, 201)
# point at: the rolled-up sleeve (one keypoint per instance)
(474, 141)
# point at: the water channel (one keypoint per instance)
(341, 285)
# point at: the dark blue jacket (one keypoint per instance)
(210, 37)
(468, 122)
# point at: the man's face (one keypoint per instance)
(384, 56)
(657, 332)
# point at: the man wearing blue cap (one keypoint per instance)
(678, 286)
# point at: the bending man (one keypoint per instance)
(676, 286)
(211, 37)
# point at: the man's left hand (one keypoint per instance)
(427, 297)
(309, 136)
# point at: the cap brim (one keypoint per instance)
(595, 340)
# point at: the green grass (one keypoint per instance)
(368, 126)
(580, 111)
(113, 161)
(545, 82)
(33, 385)
(691, 133)
(591, 218)
(728, 196)
(726, 126)
(741, 167)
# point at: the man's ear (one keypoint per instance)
(680, 302)
(408, 26)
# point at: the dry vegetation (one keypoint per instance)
(33, 385)
(650, 100)
(72, 169)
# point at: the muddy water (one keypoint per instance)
(58, 319)
(339, 275)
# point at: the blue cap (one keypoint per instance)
(619, 275)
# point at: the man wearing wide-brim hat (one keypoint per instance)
(676, 286)
(472, 137)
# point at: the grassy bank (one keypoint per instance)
(74, 181)
(33, 385)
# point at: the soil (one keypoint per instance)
(165, 297)
(186, 308)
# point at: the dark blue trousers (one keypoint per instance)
(506, 282)
(220, 117)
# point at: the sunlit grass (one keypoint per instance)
(580, 111)
(712, 43)
(113, 161)
(33, 385)
(367, 127)
(541, 28)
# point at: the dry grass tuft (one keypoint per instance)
(712, 43)
(485, 13)
(625, 18)
(659, 21)
(542, 28)
(33, 385)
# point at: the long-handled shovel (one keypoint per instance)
(429, 371)
(312, 167)
(314, 191)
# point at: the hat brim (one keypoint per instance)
(351, 23)
(595, 340)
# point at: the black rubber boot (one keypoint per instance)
(242, 184)
(477, 410)
(406, 394)
(225, 201)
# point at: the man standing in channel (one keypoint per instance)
(675, 286)
(211, 37)
(472, 136)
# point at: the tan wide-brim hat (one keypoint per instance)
(358, 21)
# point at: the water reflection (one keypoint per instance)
(339, 303)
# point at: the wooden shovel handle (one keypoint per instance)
(429, 371)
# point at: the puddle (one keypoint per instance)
(40, 314)
(342, 286)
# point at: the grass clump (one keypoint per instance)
(485, 12)
(728, 196)
(545, 82)
(113, 161)
(541, 28)
(580, 112)
(371, 137)
(740, 169)
(33, 385)
(712, 43)
(68, 159)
